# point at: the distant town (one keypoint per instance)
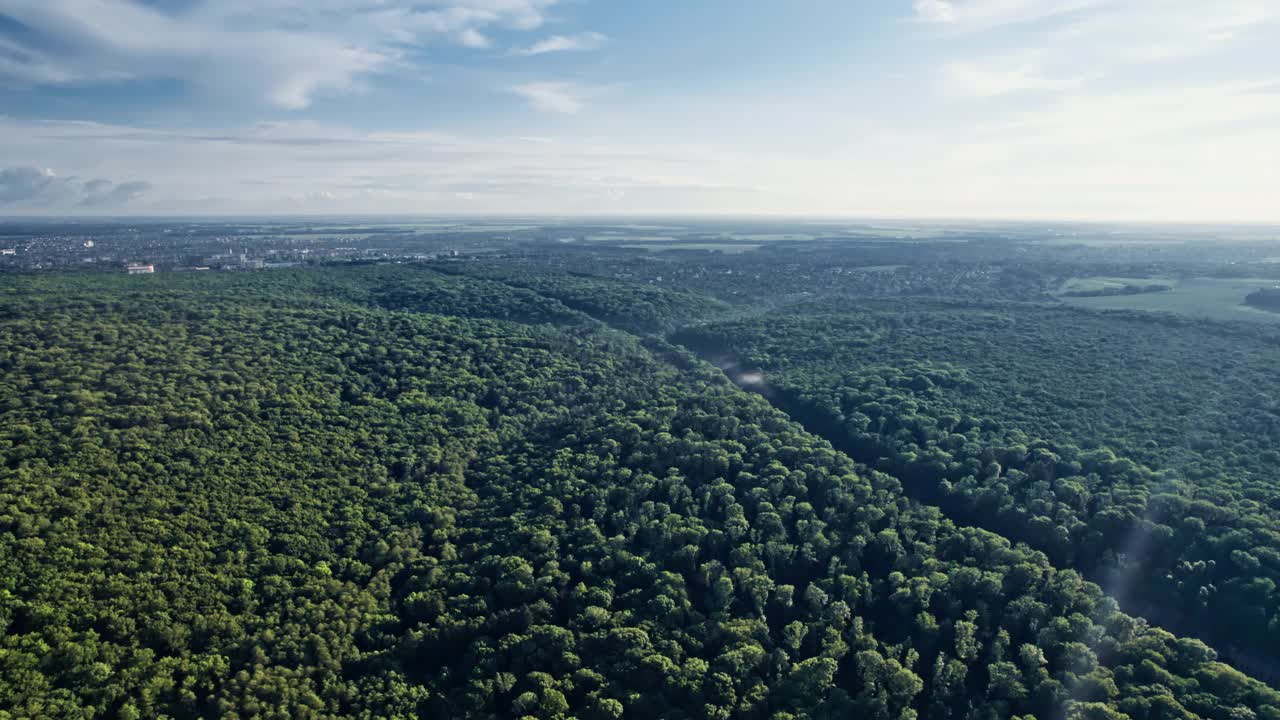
(156, 246)
(884, 257)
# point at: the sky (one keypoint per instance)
(1158, 110)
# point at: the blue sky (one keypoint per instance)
(1080, 109)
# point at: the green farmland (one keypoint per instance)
(1215, 298)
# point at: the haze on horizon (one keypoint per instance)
(1167, 110)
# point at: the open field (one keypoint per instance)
(1094, 241)
(732, 247)
(1214, 298)
(618, 237)
(1099, 283)
(773, 237)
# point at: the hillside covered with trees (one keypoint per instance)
(1112, 442)
(393, 492)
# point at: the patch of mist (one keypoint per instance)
(747, 379)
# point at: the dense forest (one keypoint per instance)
(1112, 442)
(394, 491)
(1267, 299)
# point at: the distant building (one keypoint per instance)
(88, 243)
(8, 251)
(231, 261)
(140, 269)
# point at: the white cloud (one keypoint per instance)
(29, 67)
(1003, 76)
(473, 38)
(987, 14)
(940, 11)
(105, 194)
(564, 43)
(1107, 47)
(555, 97)
(32, 188)
(1184, 117)
(304, 167)
(1124, 156)
(1006, 108)
(1088, 23)
(1099, 108)
(285, 52)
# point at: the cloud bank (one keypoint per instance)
(554, 97)
(968, 108)
(282, 52)
(566, 43)
(41, 189)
